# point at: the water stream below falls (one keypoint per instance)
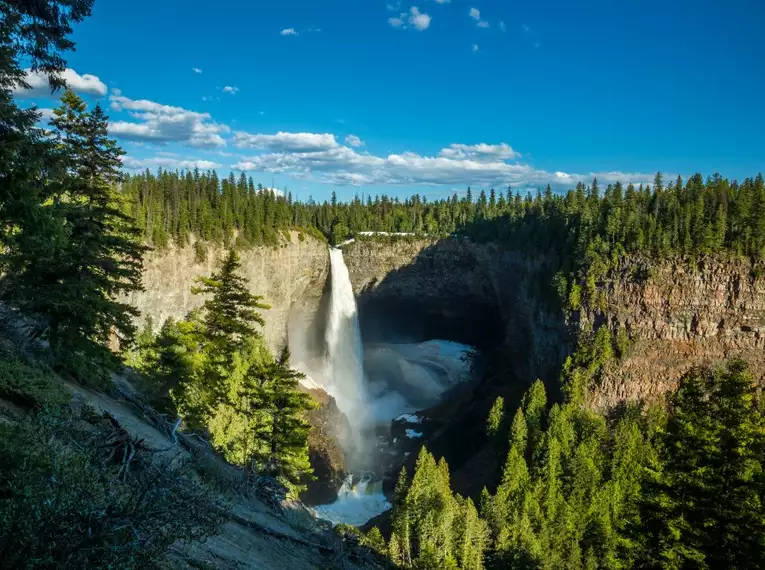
(372, 385)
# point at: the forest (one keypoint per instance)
(694, 216)
(680, 485)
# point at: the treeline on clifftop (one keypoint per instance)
(690, 216)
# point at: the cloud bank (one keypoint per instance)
(164, 123)
(319, 157)
(85, 84)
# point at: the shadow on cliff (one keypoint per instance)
(494, 299)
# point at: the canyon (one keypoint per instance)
(678, 314)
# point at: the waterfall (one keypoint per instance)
(345, 355)
(356, 503)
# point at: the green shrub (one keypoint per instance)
(29, 386)
(69, 498)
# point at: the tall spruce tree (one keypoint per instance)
(283, 439)
(103, 259)
(704, 507)
(230, 310)
(95, 255)
(37, 33)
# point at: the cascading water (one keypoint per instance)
(344, 376)
(345, 354)
(372, 389)
(356, 503)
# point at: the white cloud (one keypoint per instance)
(196, 70)
(353, 140)
(414, 18)
(475, 48)
(288, 32)
(501, 26)
(287, 142)
(164, 123)
(475, 13)
(38, 84)
(418, 19)
(502, 151)
(393, 7)
(169, 161)
(443, 1)
(320, 158)
(230, 89)
(531, 36)
(45, 115)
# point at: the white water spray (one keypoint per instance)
(356, 504)
(401, 378)
(345, 354)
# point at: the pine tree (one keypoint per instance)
(704, 508)
(471, 540)
(285, 436)
(36, 33)
(75, 291)
(496, 416)
(230, 311)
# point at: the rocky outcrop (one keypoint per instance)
(290, 277)
(328, 427)
(680, 314)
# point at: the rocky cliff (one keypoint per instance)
(455, 289)
(290, 277)
(680, 314)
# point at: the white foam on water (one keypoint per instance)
(409, 419)
(355, 504)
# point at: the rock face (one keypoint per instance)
(458, 290)
(680, 314)
(290, 277)
(328, 427)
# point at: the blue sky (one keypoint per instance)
(429, 96)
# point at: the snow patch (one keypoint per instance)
(412, 434)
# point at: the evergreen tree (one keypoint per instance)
(230, 311)
(285, 436)
(75, 292)
(30, 167)
(496, 416)
(704, 507)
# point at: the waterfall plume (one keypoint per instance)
(345, 354)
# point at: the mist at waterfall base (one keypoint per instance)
(372, 385)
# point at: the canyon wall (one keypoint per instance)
(290, 277)
(679, 314)
(456, 289)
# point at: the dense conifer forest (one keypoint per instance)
(694, 216)
(675, 486)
